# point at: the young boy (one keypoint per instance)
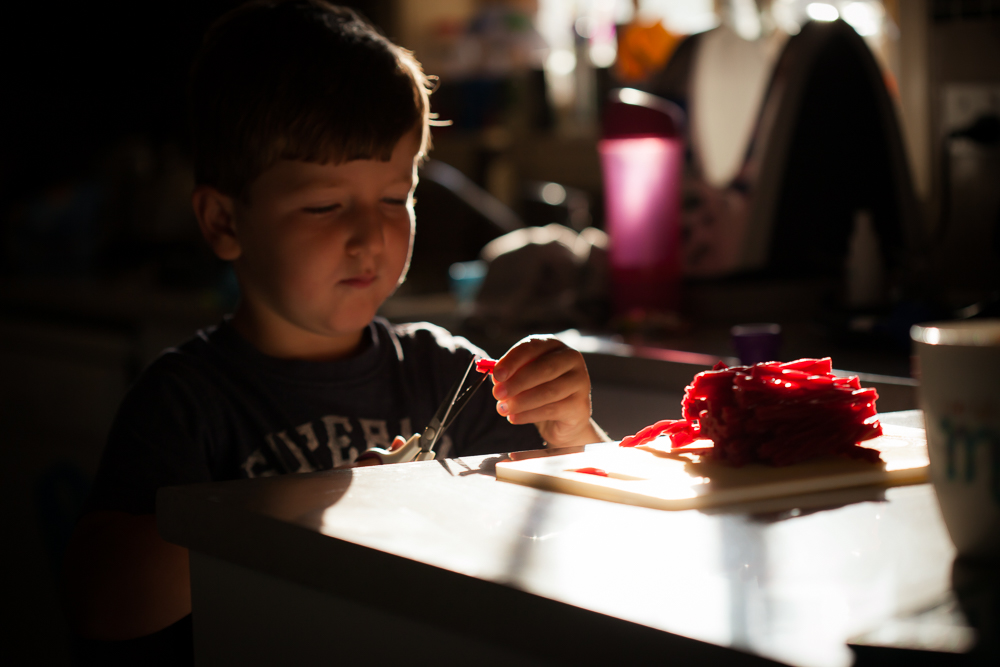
(308, 128)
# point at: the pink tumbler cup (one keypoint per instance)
(642, 161)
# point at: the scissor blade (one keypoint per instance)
(454, 401)
(453, 396)
(463, 400)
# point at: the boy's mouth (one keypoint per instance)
(362, 280)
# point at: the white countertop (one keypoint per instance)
(789, 581)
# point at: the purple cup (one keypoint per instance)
(755, 343)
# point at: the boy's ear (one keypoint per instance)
(215, 213)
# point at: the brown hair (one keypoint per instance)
(299, 80)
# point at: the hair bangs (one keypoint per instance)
(300, 80)
(368, 129)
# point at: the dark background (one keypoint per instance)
(82, 75)
(88, 90)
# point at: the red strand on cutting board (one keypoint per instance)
(773, 413)
(590, 471)
(485, 365)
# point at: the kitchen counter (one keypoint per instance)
(439, 562)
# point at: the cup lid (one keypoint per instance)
(635, 113)
(984, 332)
(762, 329)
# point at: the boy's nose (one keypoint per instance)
(366, 232)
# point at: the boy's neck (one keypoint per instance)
(281, 340)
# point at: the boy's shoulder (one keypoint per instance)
(427, 335)
(218, 349)
(204, 350)
(216, 357)
(431, 349)
(429, 355)
(183, 375)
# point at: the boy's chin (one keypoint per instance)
(348, 325)
(355, 319)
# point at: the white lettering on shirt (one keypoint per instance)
(376, 433)
(306, 430)
(338, 442)
(304, 465)
(254, 460)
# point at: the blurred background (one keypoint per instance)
(837, 175)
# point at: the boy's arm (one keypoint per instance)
(122, 580)
(544, 382)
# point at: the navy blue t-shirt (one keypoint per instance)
(215, 408)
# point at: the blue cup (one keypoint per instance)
(465, 279)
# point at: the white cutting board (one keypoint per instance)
(653, 476)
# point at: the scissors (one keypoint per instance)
(420, 446)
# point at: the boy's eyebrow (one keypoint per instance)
(311, 183)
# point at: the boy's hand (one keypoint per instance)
(543, 382)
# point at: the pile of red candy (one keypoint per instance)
(773, 413)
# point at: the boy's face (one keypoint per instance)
(321, 247)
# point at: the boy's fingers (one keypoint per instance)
(568, 407)
(546, 367)
(553, 391)
(522, 354)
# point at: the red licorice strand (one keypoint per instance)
(736, 453)
(771, 389)
(712, 379)
(717, 394)
(818, 366)
(844, 434)
(686, 437)
(836, 429)
(842, 395)
(863, 433)
(804, 444)
(691, 409)
(788, 412)
(777, 371)
(831, 394)
(868, 430)
(649, 433)
(784, 384)
(853, 382)
(820, 438)
(821, 423)
(807, 443)
(590, 471)
(706, 378)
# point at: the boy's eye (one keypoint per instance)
(321, 209)
(395, 201)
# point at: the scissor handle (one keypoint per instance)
(410, 451)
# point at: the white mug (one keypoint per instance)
(958, 366)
